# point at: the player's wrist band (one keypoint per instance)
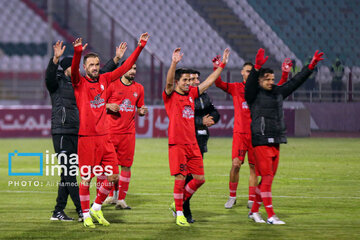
(222, 65)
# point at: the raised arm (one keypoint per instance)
(75, 64)
(218, 82)
(50, 77)
(286, 67)
(112, 64)
(214, 75)
(131, 60)
(170, 77)
(252, 83)
(295, 82)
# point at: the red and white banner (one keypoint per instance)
(35, 121)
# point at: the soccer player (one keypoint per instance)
(184, 153)
(268, 127)
(96, 152)
(206, 115)
(65, 125)
(242, 132)
(125, 97)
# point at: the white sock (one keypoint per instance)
(232, 197)
(179, 213)
(86, 215)
(96, 206)
(116, 194)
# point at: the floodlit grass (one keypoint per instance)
(316, 192)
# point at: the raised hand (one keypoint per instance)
(120, 50)
(316, 58)
(144, 37)
(260, 58)
(78, 42)
(216, 61)
(286, 66)
(225, 57)
(58, 49)
(177, 55)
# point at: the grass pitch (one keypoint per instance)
(316, 192)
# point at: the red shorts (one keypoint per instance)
(185, 158)
(266, 159)
(241, 145)
(124, 145)
(96, 156)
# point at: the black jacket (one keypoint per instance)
(64, 113)
(204, 106)
(267, 125)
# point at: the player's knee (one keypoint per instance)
(113, 178)
(126, 169)
(199, 178)
(86, 181)
(236, 164)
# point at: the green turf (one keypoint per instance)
(316, 191)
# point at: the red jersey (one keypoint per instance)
(91, 94)
(241, 109)
(128, 97)
(180, 110)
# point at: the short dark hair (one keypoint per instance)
(248, 64)
(180, 71)
(264, 71)
(193, 71)
(91, 54)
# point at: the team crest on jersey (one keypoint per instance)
(135, 94)
(126, 106)
(190, 99)
(187, 112)
(244, 105)
(97, 102)
(102, 87)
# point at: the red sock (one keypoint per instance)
(252, 193)
(191, 187)
(266, 194)
(99, 181)
(233, 187)
(124, 181)
(258, 200)
(179, 194)
(103, 191)
(84, 194)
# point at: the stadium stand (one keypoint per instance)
(171, 24)
(23, 44)
(307, 25)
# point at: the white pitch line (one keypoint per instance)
(215, 196)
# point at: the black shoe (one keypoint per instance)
(60, 216)
(187, 212)
(81, 216)
(189, 219)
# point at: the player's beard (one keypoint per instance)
(93, 76)
(130, 77)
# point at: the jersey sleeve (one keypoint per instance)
(194, 92)
(75, 64)
(166, 97)
(140, 101)
(226, 87)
